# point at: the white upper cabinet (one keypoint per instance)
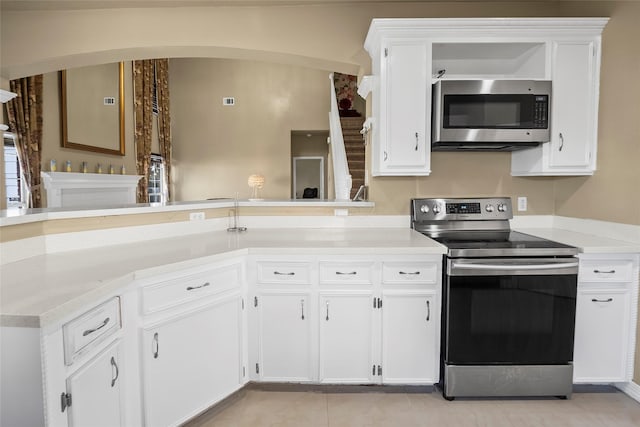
(408, 55)
(574, 114)
(405, 92)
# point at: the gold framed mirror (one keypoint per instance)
(92, 108)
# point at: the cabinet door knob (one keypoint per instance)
(302, 308)
(428, 310)
(327, 318)
(561, 142)
(156, 346)
(114, 365)
(416, 149)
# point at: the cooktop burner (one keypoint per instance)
(511, 243)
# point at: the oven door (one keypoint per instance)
(509, 311)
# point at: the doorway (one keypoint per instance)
(308, 177)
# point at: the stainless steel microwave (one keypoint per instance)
(490, 115)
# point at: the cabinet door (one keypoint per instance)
(190, 362)
(601, 336)
(284, 337)
(405, 113)
(573, 120)
(346, 341)
(410, 348)
(95, 391)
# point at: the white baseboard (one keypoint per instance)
(631, 389)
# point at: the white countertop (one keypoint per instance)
(586, 243)
(41, 290)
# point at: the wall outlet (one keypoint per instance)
(196, 216)
(522, 204)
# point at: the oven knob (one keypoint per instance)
(502, 207)
(489, 208)
(424, 208)
(436, 209)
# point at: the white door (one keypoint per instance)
(601, 336)
(188, 361)
(572, 105)
(346, 340)
(284, 337)
(405, 131)
(410, 348)
(95, 391)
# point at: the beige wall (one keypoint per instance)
(217, 147)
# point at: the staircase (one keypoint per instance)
(354, 147)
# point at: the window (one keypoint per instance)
(14, 183)
(156, 179)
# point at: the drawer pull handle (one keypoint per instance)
(348, 273)
(604, 272)
(428, 310)
(156, 346)
(302, 309)
(191, 288)
(277, 273)
(90, 331)
(115, 365)
(414, 273)
(601, 300)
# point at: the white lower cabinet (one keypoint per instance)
(284, 320)
(346, 337)
(602, 334)
(409, 335)
(606, 318)
(93, 391)
(190, 362)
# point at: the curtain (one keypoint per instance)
(147, 74)
(24, 113)
(164, 119)
(142, 103)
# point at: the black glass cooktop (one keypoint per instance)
(507, 243)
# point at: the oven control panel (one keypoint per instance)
(475, 209)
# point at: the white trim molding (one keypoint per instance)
(631, 389)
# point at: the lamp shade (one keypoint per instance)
(256, 181)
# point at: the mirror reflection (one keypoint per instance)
(92, 108)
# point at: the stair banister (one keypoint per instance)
(341, 176)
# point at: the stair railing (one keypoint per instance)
(341, 176)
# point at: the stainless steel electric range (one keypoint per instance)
(509, 299)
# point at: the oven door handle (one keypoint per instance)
(508, 267)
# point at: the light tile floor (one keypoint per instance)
(257, 408)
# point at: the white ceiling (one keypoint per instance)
(109, 4)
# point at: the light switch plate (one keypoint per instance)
(522, 204)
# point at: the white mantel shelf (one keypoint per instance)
(83, 190)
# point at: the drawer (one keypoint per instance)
(609, 270)
(409, 272)
(163, 295)
(295, 273)
(91, 328)
(355, 273)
